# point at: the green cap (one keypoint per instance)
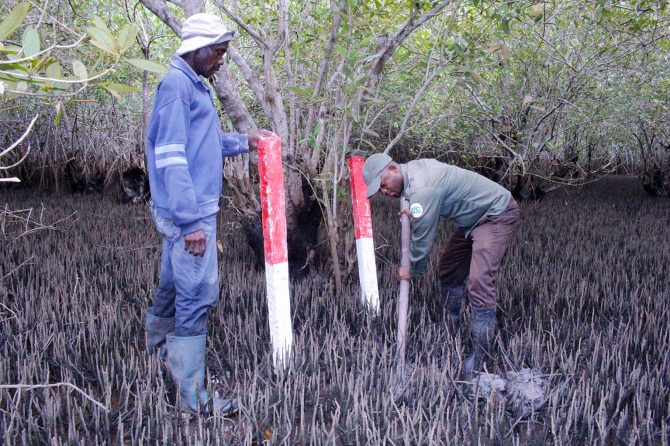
(372, 170)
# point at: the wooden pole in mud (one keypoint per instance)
(403, 295)
(273, 201)
(365, 246)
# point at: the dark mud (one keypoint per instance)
(585, 299)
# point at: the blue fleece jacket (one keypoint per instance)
(185, 149)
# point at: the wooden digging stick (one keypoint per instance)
(403, 297)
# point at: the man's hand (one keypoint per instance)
(406, 212)
(195, 242)
(404, 274)
(254, 135)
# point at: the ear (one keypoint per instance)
(393, 168)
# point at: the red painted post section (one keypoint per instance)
(359, 198)
(274, 200)
(365, 248)
(276, 253)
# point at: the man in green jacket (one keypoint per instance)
(486, 217)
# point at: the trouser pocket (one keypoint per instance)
(165, 226)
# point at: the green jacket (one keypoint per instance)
(435, 190)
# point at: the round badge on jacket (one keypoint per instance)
(416, 209)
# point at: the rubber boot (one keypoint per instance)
(156, 328)
(483, 334)
(186, 359)
(453, 296)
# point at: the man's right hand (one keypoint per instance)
(404, 273)
(195, 242)
(254, 135)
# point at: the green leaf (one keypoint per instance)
(306, 92)
(505, 26)
(97, 21)
(79, 69)
(148, 65)
(528, 99)
(11, 51)
(536, 10)
(7, 66)
(372, 146)
(371, 132)
(31, 42)
(15, 18)
(102, 39)
(42, 62)
(119, 88)
(13, 74)
(126, 37)
(55, 71)
(33, 81)
(477, 78)
(59, 112)
(505, 52)
(103, 46)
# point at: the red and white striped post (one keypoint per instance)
(276, 252)
(365, 246)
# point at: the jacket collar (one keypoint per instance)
(181, 65)
(405, 179)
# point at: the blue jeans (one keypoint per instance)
(188, 286)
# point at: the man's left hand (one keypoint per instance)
(254, 135)
(406, 212)
(404, 274)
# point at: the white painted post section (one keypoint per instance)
(365, 246)
(276, 252)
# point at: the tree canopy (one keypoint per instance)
(552, 90)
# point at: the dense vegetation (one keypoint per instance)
(533, 94)
(545, 97)
(565, 80)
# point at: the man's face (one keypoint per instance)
(391, 181)
(209, 59)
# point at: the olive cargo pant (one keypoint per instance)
(479, 256)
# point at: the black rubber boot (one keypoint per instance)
(453, 296)
(483, 334)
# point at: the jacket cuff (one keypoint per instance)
(244, 142)
(233, 144)
(189, 228)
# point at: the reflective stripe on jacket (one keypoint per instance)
(185, 148)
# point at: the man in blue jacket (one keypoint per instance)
(185, 151)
